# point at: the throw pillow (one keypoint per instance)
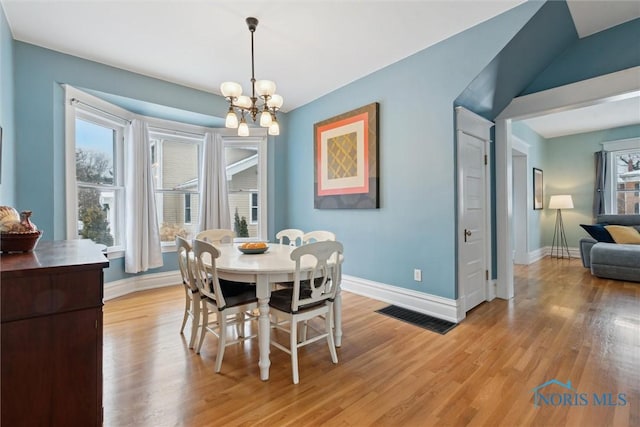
(624, 234)
(598, 232)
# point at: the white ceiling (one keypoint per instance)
(587, 119)
(308, 47)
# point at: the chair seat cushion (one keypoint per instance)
(281, 300)
(303, 283)
(230, 288)
(236, 293)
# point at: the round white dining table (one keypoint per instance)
(273, 266)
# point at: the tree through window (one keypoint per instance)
(627, 181)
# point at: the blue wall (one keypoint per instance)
(549, 32)
(602, 53)
(7, 122)
(536, 159)
(415, 225)
(39, 112)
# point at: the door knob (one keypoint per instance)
(467, 233)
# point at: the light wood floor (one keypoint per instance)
(563, 324)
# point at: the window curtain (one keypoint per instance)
(214, 196)
(599, 195)
(142, 244)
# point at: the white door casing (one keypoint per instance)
(473, 138)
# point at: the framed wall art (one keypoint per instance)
(537, 189)
(346, 160)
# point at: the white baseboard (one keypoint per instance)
(573, 252)
(540, 253)
(537, 255)
(433, 305)
(123, 287)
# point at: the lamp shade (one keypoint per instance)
(563, 201)
(274, 128)
(275, 101)
(243, 128)
(232, 120)
(231, 89)
(265, 87)
(265, 119)
(243, 101)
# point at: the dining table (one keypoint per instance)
(266, 269)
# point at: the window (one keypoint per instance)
(246, 180)
(95, 184)
(626, 179)
(95, 159)
(187, 208)
(175, 158)
(254, 208)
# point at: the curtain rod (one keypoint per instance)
(77, 101)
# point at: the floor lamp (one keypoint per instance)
(560, 246)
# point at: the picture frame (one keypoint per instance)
(538, 193)
(346, 172)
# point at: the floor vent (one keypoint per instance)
(418, 319)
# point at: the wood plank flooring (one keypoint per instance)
(563, 324)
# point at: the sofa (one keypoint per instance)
(608, 259)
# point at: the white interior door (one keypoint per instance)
(473, 229)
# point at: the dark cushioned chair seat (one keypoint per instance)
(237, 293)
(281, 299)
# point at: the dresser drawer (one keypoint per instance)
(25, 297)
(76, 290)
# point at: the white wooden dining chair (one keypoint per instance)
(191, 293)
(216, 235)
(231, 301)
(302, 303)
(290, 236)
(318, 236)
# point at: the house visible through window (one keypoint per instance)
(254, 208)
(176, 173)
(187, 208)
(626, 181)
(246, 181)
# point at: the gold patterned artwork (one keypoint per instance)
(342, 156)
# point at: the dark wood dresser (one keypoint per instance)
(51, 335)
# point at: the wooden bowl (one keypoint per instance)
(19, 242)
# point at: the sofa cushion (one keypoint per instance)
(624, 234)
(598, 232)
(616, 261)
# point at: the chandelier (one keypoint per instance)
(263, 99)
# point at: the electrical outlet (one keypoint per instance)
(417, 275)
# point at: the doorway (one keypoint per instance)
(615, 86)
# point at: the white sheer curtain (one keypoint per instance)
(142, 243)
(214, 196)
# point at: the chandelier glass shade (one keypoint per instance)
(261, 106)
